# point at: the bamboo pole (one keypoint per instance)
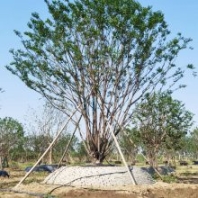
(70, 140)
(58, 134)
(122, 156)
(155, 169)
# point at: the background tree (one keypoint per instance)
(61, 145)
(191, 147)
(11, 139)
(186, 149)
(161, 123)
(41, 128)
(130, 143)
(80, 153)
(99, 57)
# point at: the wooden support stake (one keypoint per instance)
(70, 140)
(122, 156)
(58, 134)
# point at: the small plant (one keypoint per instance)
(14, 165)
(49, 196)
(169, 178)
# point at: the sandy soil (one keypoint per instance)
(158, 190)
(33, 187)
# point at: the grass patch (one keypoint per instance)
(169, 178)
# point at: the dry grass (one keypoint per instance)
(191, 169)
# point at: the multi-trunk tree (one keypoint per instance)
(160, 122)
(98, 57)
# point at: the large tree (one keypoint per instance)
(99, 57)
(161, 122)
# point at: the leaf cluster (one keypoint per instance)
(99, 57)
(114, 49)
(162, 121)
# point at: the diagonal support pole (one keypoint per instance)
(70, 140)
(122, 156)
(49, 147)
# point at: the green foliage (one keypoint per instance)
(190, 145)
(61, 144)
(37, 144)
(140, 158)
(11, 140)
(169, 178)
(81, 152)
(11, 135)
(130, 143)
(163, 118)
(161, 123)
(101, 56)
(86, 35)
(49, 196)
(127, 23)
(14, 165)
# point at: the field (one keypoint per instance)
(183, 185)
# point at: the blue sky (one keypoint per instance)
(181, 16)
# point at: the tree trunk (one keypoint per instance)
(5, 162)
(98, 148)
(50, 156)
(152, 158)
(1, 163)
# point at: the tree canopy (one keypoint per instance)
(11, 137)
(99, 57)
(161, 122)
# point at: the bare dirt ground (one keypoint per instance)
(33, 187)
